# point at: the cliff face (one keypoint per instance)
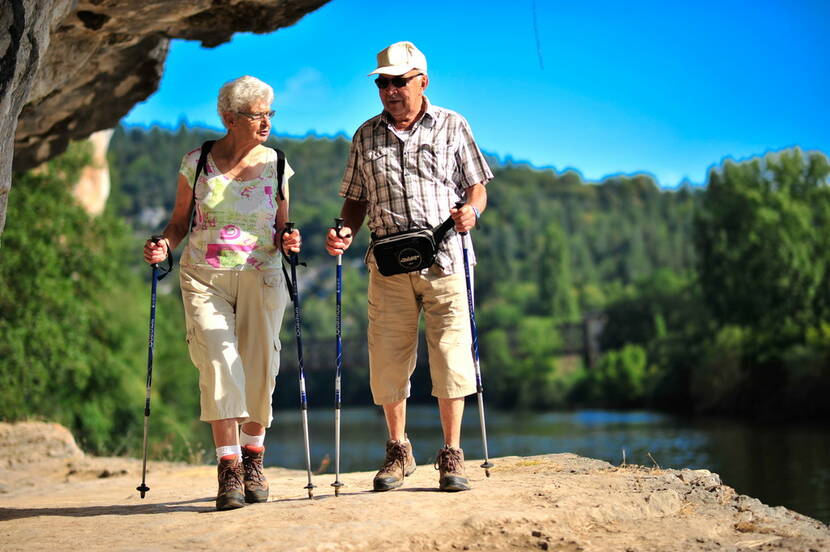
(69, 68)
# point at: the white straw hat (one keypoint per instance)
(400, 58)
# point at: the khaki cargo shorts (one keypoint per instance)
(395, 305)
(233, 320)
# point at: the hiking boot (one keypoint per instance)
(399, 463)
(256, 485)
(450, 465)
(230, 485)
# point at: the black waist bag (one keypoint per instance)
(408, 251)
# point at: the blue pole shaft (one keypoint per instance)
(474, 332)
(303, 398)
(143, 488)
(339, 367)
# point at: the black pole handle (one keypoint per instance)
(155, 239)
(338, 226)
(292, 256)
(459, 205)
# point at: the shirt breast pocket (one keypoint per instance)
(376, 162)
(437, 160)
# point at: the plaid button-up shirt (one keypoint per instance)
(413, 183)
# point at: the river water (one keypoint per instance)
(780, 465)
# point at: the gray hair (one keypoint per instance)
(240, 93)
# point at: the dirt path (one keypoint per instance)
(559, 502)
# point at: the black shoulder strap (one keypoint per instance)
(440, 231)
(280, 192)
(280, 173)
(200, 166)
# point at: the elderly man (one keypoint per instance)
(407, 169)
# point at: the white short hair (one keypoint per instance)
(239, 94)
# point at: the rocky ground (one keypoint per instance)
(52, 497)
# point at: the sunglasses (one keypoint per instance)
(397, 82)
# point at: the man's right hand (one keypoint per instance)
(335, 244)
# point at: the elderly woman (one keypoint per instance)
(233, 290)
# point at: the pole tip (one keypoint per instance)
(142, 489)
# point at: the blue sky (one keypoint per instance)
(604, 87)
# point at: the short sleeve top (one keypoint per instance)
(412, 180)
(233, 226)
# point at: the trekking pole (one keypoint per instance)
(338, 225)
(293, 260)
(143, 488)
(474, 331)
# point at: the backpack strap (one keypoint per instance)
(280, 173)
(294, 258)
(280, 194)
(200, 166)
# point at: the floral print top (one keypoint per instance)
(234, 219)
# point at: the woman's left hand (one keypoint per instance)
(292, 242)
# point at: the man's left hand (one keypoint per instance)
(465, 218)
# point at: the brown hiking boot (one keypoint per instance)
(256, 485)
(450, 464)
(230, 485)
(399, 463)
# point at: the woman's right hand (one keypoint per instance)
(337, 244)
(156, 252)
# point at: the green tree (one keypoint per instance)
(556, 291)
(621, 378)
(761, 236)
(764, 265)
(73, 322)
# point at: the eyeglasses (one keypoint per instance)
(397, 82)
(259, 116)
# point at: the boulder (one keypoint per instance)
(25, 442)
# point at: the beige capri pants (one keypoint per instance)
(233, 319)
(395, 305)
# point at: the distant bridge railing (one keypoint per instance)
(577, 338)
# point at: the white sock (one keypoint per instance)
(229, 450)
(251, 440)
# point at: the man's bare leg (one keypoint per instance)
(451, 411)
(395, 414)
(451, 458)
(399, 461)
